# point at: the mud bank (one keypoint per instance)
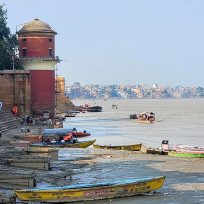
(184, 176)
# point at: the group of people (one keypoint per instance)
(70, 137)
(147, 116)
(28, 120)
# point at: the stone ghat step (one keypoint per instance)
(8, 127)
(8, 121)
(7, 197)
(33, 162)
(32, 165)
(30, 182)
(29, 159)
(40, 150)
(5, 176)
(7, 200)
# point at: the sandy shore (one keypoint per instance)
(184, 176)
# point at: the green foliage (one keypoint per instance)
(8, 43)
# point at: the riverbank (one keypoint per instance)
(184, 176)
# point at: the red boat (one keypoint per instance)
(82, 134)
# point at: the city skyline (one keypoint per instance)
(122, 42)
(139, 91)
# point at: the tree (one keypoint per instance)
(8, 43)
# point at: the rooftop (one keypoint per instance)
(36, 26)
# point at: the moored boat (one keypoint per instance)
(71, 113)
(187, 151)
(94, 109)
(186, 154)
(77, 144)
(56, 131)
(186, 148)
(134, 147)
(62, 132)
(83, 192)
(82, 134)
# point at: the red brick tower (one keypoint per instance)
(37, 54)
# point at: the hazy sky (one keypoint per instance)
(122, 41)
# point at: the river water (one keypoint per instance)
(180, 121)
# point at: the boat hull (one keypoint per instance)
(83, 144)
(144, 121)
(82, 134)
(92, 192)
(186, 154)
(94, 109)
(135, 147)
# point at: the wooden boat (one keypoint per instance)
(77, 144)
(146, 117)
(187, 151)
(144, 121)
(186, 148)
(71, 113)
(56, 131)
(133, 116)
(83, 192)
(186, 154)
(82, 134)
(62, 132)
(134, 147)
(94, 109)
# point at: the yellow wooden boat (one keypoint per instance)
(82, 144)
(134, 147)
(83, 192)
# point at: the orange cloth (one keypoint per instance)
(15, 109)
(68, 137)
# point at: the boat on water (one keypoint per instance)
(83, 192)
(82, 134)
(56, 131)
(133, 116)
(63, 132)
(94, 109)
(134, 147)
(114, 106)
(146, 117)
(187, 151)
(77, 144)
(71, 113)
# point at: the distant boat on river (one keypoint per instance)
(94, 109)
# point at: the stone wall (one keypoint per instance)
(63, 104)
(15, 89)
